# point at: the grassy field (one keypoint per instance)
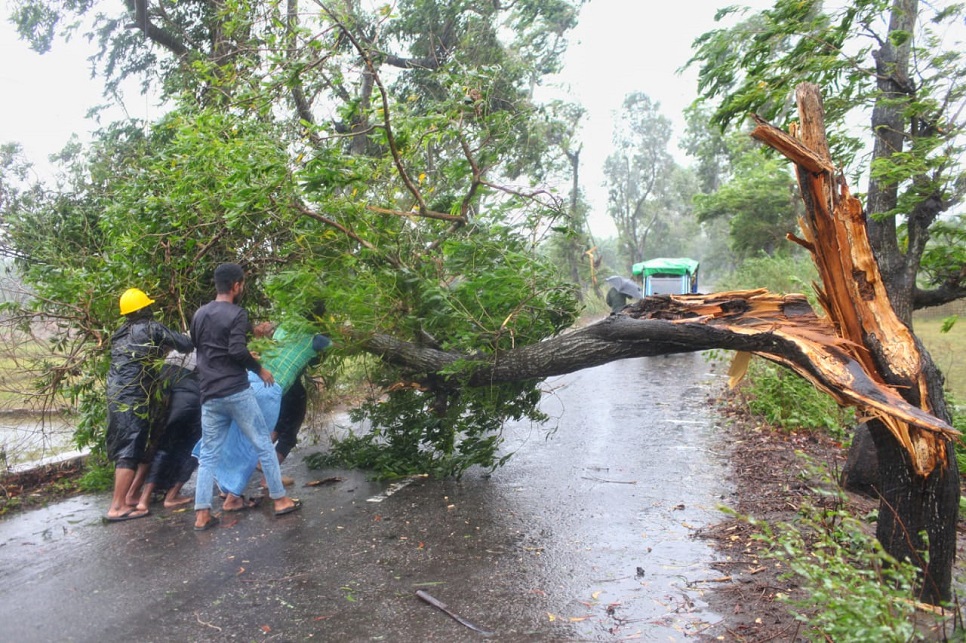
(23, 359)
(948, 350)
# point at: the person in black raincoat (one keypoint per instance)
(174, 436)
(136, 350)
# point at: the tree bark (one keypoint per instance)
(889, 128)
(782, 328)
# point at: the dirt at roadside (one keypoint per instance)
(771, 477)
(770, 484)
(37, 487)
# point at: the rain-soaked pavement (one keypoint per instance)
(582, 536)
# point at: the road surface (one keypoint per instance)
(585, 535)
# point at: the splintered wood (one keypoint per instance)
(854, 296)
(861, 337)
(793, 335)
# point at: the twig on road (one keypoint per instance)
(211, 625)
(456, 617)
(609, 481)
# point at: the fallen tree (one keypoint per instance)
(782, 328)
(860, 352)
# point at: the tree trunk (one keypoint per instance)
(919, 478)
(918, 512)
(782, 328)
(573, 242)
(889, 129)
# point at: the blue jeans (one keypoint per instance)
(216, 418)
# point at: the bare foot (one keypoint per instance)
(204, 520)
(287, 481)
(180, 501)
(240, 503)
(233, 503)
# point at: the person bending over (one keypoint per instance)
(137, 347)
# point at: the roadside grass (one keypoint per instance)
(948, 350)
(785, 400)
(853, 591)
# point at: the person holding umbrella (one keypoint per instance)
(621, 290)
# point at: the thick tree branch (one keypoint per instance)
(373, 74)
(346, 231)
(938, 296)
(428, 214)
(426, 62)
(152, 32)
(783, 329)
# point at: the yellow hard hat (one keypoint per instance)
(134, 299)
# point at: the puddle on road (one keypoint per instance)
(617, 493)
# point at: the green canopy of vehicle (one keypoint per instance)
(665, 266)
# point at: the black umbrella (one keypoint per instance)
(625, 286)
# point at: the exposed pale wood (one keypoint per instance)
(791, 147)
(852, 292)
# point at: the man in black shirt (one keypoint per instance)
(219, 331)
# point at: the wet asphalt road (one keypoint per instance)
(584, 535)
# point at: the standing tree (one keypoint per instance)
(570, 240)
(902, 71)
(743, 185)
(760, 202)
(638, 175)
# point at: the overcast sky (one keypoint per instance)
(46, 97)
(619, 47)
(625, 46)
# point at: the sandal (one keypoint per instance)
(133, 514)
(212, 522)
(295, 507)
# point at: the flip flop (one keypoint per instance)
(131, 515)
(212, 522)
(295, 507)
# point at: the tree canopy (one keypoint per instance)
(386, 161)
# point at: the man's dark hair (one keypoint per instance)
(226, 276)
